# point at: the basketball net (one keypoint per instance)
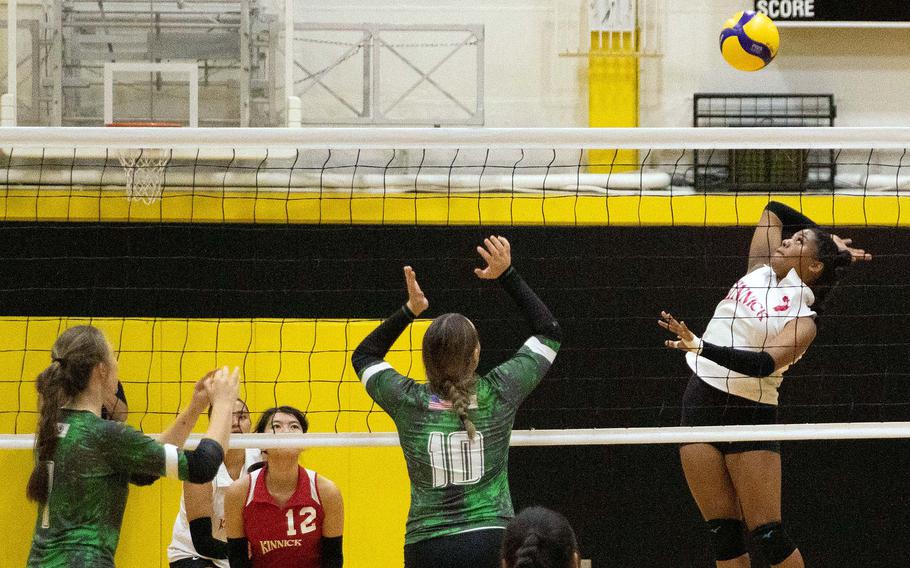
(144, 167)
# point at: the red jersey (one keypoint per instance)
(289, 536)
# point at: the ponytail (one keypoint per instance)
(449, 348)
(836, 262)
(74, 355)
(460, 395)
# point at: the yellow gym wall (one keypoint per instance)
(613, 95)
(462, 209)
(295, 362)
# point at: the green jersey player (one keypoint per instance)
(84, 464)
(455, 429)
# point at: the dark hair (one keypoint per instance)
(73, 357)
(539, 538)
(836, 264)
(263, 425)
(245, 406)
(448, 356)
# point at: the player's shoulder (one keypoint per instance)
(237, 491)
(107, 430)
(327, 487)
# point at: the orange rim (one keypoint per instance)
(145, 124)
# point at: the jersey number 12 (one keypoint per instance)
(455, 459)
(307, 523)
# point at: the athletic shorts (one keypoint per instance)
(474, 549)
(704, 405)
(194, 562)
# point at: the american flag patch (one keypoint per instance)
(437, 403)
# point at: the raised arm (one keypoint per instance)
(220, 387)
(374, 346)
(777, 222)
(497, 252)
(785, 349)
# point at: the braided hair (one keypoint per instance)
(539, 538)
(73, 357)
(449, 345)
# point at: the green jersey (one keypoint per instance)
(79, 526)
(458, 484)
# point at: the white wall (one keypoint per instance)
(867, 70)
(526, 83)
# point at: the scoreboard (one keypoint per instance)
(836, 12)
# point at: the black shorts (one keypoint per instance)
(194, 562)
(474, 549)
(704, 405)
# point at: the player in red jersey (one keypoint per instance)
(284, 515)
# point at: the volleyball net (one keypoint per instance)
(278, 250)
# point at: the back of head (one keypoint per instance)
(266, 419)
(539, 538)
(449, 356)
(73, 358)
(836, 263)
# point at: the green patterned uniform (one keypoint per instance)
(458, 484)
(80, 525)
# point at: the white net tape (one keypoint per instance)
(144, 170)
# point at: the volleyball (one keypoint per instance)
(749, 41)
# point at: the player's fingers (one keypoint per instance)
(671, 344)
(507, 247)
(484, 254)
(497, 242)
(663, 324)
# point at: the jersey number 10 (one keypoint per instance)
(455, 459)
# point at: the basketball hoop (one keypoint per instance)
(144, 167)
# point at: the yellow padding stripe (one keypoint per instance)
(434, 209)
(300, 362)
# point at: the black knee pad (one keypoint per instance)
(727, 538)
(773, 542)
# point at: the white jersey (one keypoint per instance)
(181, 541)
(755, 311)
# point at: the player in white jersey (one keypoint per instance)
(198, 539)
(764, 325)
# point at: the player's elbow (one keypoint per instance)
(551, 330)
(766, 365)
(359, 358)
(202, 463)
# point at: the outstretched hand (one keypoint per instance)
(685, 339)
(201, 391)
(417, 301)
(856, 254)
(223, 385)
(497, 252)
